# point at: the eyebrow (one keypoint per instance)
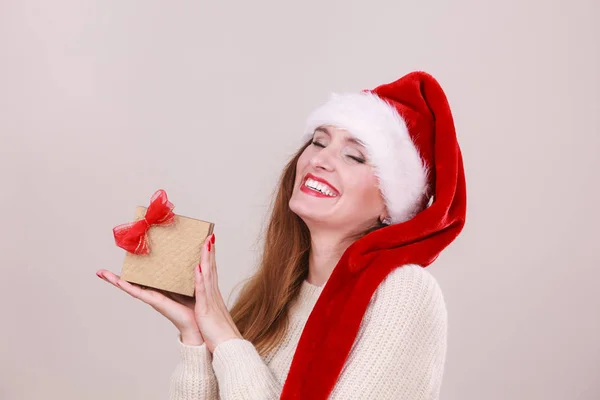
(348, 139)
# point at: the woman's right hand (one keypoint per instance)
(176, 308)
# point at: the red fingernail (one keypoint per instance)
(199, 267)
(208, 246)
(99, 275)
(213, 238)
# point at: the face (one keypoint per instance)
(335, 184)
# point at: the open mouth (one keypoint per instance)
(314, 185)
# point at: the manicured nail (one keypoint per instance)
(212, 239)
(99, 275)
(208, 246)
(200, 268)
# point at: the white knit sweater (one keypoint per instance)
(399, 351)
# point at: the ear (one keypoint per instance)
(385, 219)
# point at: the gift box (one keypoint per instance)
(163, 248)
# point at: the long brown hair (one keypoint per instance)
(260, 312)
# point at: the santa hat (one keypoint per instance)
(408, 130)
(380, 119)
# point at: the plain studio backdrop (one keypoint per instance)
(102, 103)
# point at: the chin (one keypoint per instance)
(306, 212)
(301, 210)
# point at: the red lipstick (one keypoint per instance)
(310, 191)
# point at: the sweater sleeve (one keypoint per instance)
(399, 351)
(242, 373)
(193, 378)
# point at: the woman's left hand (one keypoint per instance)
(212, 315)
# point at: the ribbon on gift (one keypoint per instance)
(131, 236)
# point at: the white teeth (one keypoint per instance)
(311, 183)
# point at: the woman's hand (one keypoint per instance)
(212, 315)
(176, 308)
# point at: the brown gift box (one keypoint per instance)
(174, 253)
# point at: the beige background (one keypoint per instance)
(103, 102)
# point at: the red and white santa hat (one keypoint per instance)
(397, 124)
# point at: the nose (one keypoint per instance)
(324, 159)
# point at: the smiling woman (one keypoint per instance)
(341, 306)
(336, 166)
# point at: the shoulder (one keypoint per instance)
(409, 291)
(410, 278)
(400, 348)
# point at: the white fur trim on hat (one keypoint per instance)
(401, 172)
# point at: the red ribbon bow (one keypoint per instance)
(132, 235)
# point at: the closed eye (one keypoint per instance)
(357, 159)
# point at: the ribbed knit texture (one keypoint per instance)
(399, 351)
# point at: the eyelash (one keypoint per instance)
(359, 160)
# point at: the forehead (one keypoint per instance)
(334, 131)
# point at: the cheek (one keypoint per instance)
(301, 165)
(303, 160)
(366, 192)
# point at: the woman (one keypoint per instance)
(341, 306)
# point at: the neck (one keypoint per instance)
(325, 251)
